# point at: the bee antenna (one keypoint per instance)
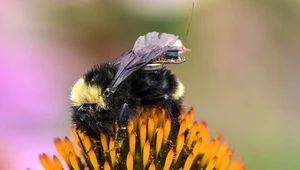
(189, 24)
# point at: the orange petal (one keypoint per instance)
(161, 117)
(146, 153)
(212, 163)
(60, 147)
(106, 166)
(218, 139)
(167, 129)
(132, 142)
(209, 152)
(222, 150)
(192, 134)
(73, 161)
(142, 134)
(140, 110)
(204, 134)
(182, 127)
(226, 160)
(152, 166)
(77, 145)
(180, 142)
(57, 163)
(146, 114)
(129, 161)
(112, 152)
(46, 162)
(150, 128)
(197, 147)
(169, 160)
(130, 126)
(159, 138)
(74, 135)
(141, 119)
(69, 145)
(104, 142)
(155, 117)
(87, 143)
(189, 117)
(236, 165)
(93, 159)
(86, 168)
(189, 162)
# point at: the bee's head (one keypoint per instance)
(87, 94)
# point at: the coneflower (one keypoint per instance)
(149, 144)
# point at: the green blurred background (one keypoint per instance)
(242, 76)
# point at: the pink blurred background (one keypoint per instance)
(242, 76)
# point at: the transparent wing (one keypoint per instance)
(145, 49)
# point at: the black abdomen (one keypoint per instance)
(146, 84)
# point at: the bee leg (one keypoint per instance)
(85, 152)
(125, 115)
(175, 123)
(173, 110)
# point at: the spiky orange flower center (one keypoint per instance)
(149, 144)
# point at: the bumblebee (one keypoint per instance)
(110, 93)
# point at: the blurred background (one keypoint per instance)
(242, 76)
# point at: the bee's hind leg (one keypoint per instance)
(174, 111)
(126, 114)
(172, 107)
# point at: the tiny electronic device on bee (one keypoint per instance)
(110, 93)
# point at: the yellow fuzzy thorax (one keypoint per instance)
(83, 93)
